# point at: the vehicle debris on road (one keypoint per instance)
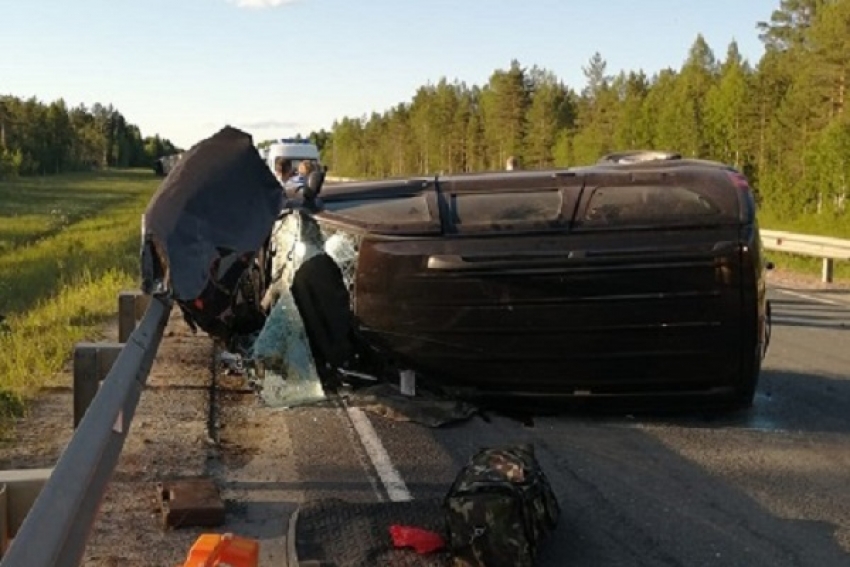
(425, 408)
(190, 502)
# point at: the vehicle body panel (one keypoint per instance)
(540, 298)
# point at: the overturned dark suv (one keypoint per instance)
(639, 276)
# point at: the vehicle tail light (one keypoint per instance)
(740, 180)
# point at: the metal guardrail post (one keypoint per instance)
(826, 248)
(92, 363)
(55, 532)
(827, 270)
(131, 308)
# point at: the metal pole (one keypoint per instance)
(827, 270)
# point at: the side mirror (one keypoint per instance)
(313, 186)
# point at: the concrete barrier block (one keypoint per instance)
(18, 491)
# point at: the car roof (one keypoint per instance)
(292, 150)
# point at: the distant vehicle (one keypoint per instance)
(163, 166)
(293, 149)
(639, 277)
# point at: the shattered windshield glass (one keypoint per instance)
(282, 349)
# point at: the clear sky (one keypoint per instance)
(185, 68)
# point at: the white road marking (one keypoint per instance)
(811, 297)
(364, 459)
(779, 320)
(394, 484)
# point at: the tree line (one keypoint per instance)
(782, 120)
(39, 138)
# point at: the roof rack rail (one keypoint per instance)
(637, 156)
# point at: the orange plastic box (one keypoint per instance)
(227, 550)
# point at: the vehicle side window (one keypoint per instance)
(632, 205)
(396, 211)
(506, 210)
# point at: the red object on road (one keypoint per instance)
(422, 541)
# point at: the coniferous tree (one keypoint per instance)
(782, 120)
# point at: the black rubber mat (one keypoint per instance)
(336, 533)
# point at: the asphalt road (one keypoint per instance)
(767, 487)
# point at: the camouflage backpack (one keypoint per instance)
(499, 509)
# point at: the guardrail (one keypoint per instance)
(56, 529)
(830, 249)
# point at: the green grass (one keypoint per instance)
(68, 244)
(35, 208)
(828, 224)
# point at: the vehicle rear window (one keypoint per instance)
(506, 209)
(647, 205)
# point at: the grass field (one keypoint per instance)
(68, 244)
(831, 224)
